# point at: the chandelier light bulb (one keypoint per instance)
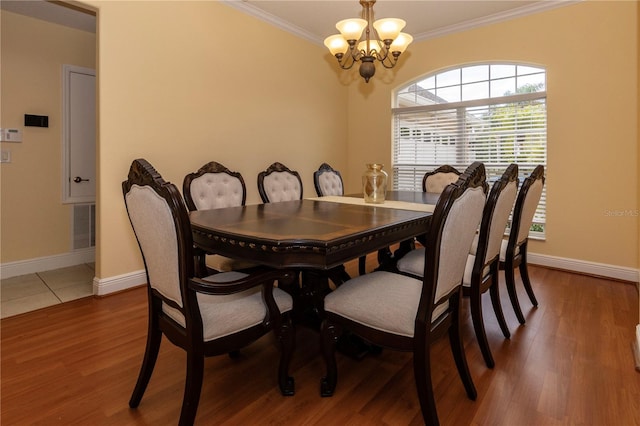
(373, 45)
(400, 43)
(389, 28)
(351, 29)
(336, 44)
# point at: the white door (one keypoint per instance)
(79, 134)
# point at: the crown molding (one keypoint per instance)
(250, 9)
(495, 18)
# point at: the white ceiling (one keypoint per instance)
(315, 19)
(53, 12)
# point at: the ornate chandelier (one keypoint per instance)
(351, 45)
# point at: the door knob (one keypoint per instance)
(78, 179)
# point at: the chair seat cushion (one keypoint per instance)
(503, 250)
(228, 314)
(468, 270)
(474, 244)
(380, 300)
(412, 262)
(227, 264)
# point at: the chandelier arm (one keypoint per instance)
(346, 61)
(344, 65)
(389, 61)
(392, 60)
(381, 56)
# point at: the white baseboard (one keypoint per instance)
(47, 263)
(582, 266)
(109, 285)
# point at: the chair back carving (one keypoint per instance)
(455, 219)
(279, 183)
(327, 181)
(495, 217)
(525, 207)
(161, 226)
(214, 186)
(438, 179)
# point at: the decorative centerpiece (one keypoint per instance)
(374, 184)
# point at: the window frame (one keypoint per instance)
(461, 144)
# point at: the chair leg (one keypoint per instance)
(478, 325)
(424, 385)
(154, 337)
(509, 275)
(338, 275)
(497, 306)
(192, 387)
(362, 265)
(524, 274)
(328, 338)
(285, 335)
(457, 348)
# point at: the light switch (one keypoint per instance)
(10, 135)
(5, 156)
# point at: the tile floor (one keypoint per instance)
(34, 291)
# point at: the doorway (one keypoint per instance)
(79, 135)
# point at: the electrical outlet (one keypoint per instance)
(5, 156)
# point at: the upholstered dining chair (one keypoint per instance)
(513, 253)
(438, 179)
(404, 313)
(215, 315)
(279, 183)
(328, 181)
(434, 181)
(214, 186)
(481, 271)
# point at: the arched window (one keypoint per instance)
(494, 113)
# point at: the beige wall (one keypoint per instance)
(167, 94)
(174, 89)
(34, 221)
(591, 56)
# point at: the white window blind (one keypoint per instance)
(497, 131)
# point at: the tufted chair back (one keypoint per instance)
(214, 186)
(437, 180)
(279, 183)
(327, 181)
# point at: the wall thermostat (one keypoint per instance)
(10, 135)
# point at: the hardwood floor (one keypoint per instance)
(572, 363)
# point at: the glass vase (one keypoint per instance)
(374, 184)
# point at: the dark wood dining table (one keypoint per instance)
(313, 236)
(308, 233)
